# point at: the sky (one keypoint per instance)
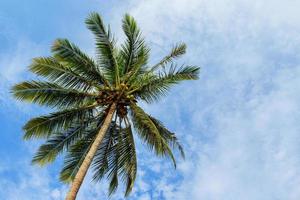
(239, 123)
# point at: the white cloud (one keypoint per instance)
(243, 141)
(256, 150)
(13, 69)
(239, 122)
(27, 182)
(14, 62)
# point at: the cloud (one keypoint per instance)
(255, 155)
(13, 69)
(239, 122)
(27, 182)
(15, 60)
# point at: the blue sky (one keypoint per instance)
(239, 122)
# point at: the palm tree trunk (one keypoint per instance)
(90, 155)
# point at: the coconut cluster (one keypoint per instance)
(117, 94)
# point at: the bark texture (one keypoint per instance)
(89, 157)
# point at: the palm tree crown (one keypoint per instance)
(83, 89)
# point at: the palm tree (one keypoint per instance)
(96, 102)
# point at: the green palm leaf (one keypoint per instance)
(134, 51)
(100, 162)
(74, 159)
(153, 87)
(116, 157)
(113, 163)
(71, 55)
(128, 160)
(107, 158)
(55, 71)
(168, 136)
(148, 132)
(105, 47)
(44, 126)
(51, 94)
(177, 51)
(59, 142)
(76, 155)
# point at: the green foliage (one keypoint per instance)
(51, 94)
(134, 52)
(177, 51)
(61, 141)
(147, 130)
(75, 157)
(116, 157)
(70, 55)
(61, 74)
(151, 87)
(105, 47)
(44, 126)
(81, 90)
(167, 135)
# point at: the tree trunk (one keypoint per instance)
(90, 155)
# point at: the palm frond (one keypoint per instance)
(134, 51)
(114, 182)
(128, 160)
(100, 162)
(77, 154)
(113, 163)
(105, 47)
(122, 161)
(74, 159)
(152, 88)
(51, 94)
(44, 126)
(48, 152)
(116, 157)
(61, 141)
(55, 71)
(168, 135)
(79, 62)
(177, 51)
(149, 133)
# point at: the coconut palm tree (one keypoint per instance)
(96, 102)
